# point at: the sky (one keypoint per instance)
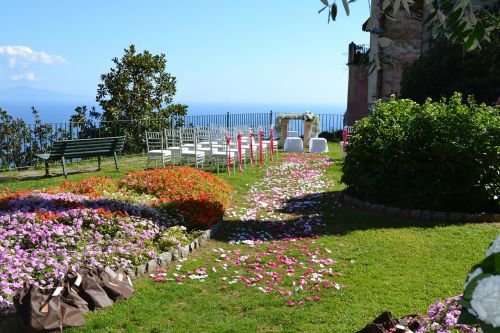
(258, 51)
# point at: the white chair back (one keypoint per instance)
(154, 141)
(349, 129)
(172, 137)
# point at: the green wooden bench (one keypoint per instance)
(98, 147)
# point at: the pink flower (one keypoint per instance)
(290, 303)
(159, 278)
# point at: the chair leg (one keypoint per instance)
(98, 163)
(116, 161)
(46, 167)
(63, 160)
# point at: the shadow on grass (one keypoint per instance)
(318, 214)
(40, 175)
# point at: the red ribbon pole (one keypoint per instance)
(228, 150)
(252, 158)
(271, 146)
(261, 134)
(344, 135)
(240, 135)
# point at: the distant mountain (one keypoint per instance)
(33, 95)
(52, 106)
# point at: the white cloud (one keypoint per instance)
(30, 76)
(24, 55)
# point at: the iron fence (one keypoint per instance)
(19, 142)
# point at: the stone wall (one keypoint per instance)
(357, 93)
(406, 34)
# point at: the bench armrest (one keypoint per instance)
(43, 156)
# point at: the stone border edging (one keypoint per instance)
(165, 258)
(424, 215)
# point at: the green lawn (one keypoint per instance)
(387, 264)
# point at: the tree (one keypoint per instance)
(84, 126)
(451, 18)
(20, 141)
(138, 92)
(445, 68)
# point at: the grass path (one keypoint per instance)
(386, 264)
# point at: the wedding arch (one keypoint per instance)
(311, 125)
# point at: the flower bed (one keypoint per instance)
(197, 195)
(442, 316)
(102, 223)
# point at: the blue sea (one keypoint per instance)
(59, 112)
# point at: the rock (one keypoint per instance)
(469, 217)
(404, 213)
(152, 266)
(356, 202)
(439, 216)
(193, 246)
(347, 198)
(140, 269)
(208, 233)
(394, 211)
(130, 273)
(164, 258)
(176, 254)
(483, 217)
(379, 208)
(364, 204)
(455, 217)
(184, 251)
(415, 214)
(426, 215)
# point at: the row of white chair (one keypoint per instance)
(202, 146)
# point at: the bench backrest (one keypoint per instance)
(87, 147)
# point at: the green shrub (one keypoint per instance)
(438, 156)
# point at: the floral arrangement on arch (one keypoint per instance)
(307, 116)
(482, 292)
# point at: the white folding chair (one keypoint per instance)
(189, 148)
(221, 153)
(173, 144)
(156, 147)
(267, 139)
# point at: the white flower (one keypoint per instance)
(486, 300)
(495, 247)
(308, 116)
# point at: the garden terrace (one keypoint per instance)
(284, 222)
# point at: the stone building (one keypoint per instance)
(409, 39)
(357, 91)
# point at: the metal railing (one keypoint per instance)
(18, 145)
